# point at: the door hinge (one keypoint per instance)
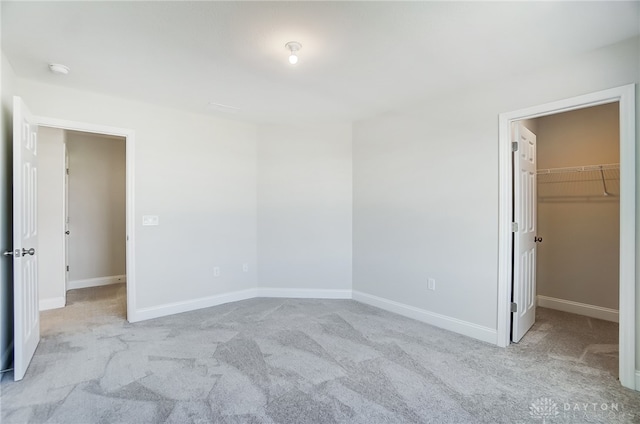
(67, 268)
(514, 146)
(514, 227)
(514, 307)
(67, 171)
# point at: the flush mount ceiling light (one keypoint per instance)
(293, 47)
(59, 69)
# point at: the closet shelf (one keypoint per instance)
(587, 180)
(586, 168)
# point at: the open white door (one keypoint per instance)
(524, 240)
(25, 238)
(66, 221)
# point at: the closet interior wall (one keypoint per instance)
(578, 260)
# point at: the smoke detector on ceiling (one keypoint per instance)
(59, 69)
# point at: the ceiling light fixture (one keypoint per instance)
(293, 47)
(59, 69)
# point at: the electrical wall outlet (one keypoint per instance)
(431, 284)
(216, 271)
(150, 220)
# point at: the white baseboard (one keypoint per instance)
(578, 308)
(304, 293)
(637, 381)
(95, 282)
(475, 331)
(479, 332)
(52, 303)
(191, 305)
(6, 356)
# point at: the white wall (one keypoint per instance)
(579, 257)
(197, 172)
(425, 191)
(51, 260)
(304, 206)
(7, 88)
(426, 188)
(97, 199)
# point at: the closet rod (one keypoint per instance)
(585, 168)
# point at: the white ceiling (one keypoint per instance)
(358, 59)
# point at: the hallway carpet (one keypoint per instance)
(309, 361)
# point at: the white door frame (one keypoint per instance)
(129, 136)
(627, 308)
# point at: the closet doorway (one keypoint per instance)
(579, 211)
(625, 97)
(578, 233)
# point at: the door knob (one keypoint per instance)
(537, 239)
(26, 252)
(10, 252)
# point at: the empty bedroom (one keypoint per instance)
(319, 212)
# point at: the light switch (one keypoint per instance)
(150, 220)
(431, 283)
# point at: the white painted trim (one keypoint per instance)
(129, 136)
(626, 96)
(191, 305)
(96, 282)
(475, 331)
(592, 311)
(303, 293)
(52, 303)
(469, 329)
(637, 378)
(505, 242)
(628, 237)
(131, 225)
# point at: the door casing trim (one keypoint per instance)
(129, 136)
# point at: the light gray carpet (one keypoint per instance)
(309, 361)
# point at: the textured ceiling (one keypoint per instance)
(358, 59)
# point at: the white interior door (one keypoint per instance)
(25, 238)
(66, 221)
(524, 240)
